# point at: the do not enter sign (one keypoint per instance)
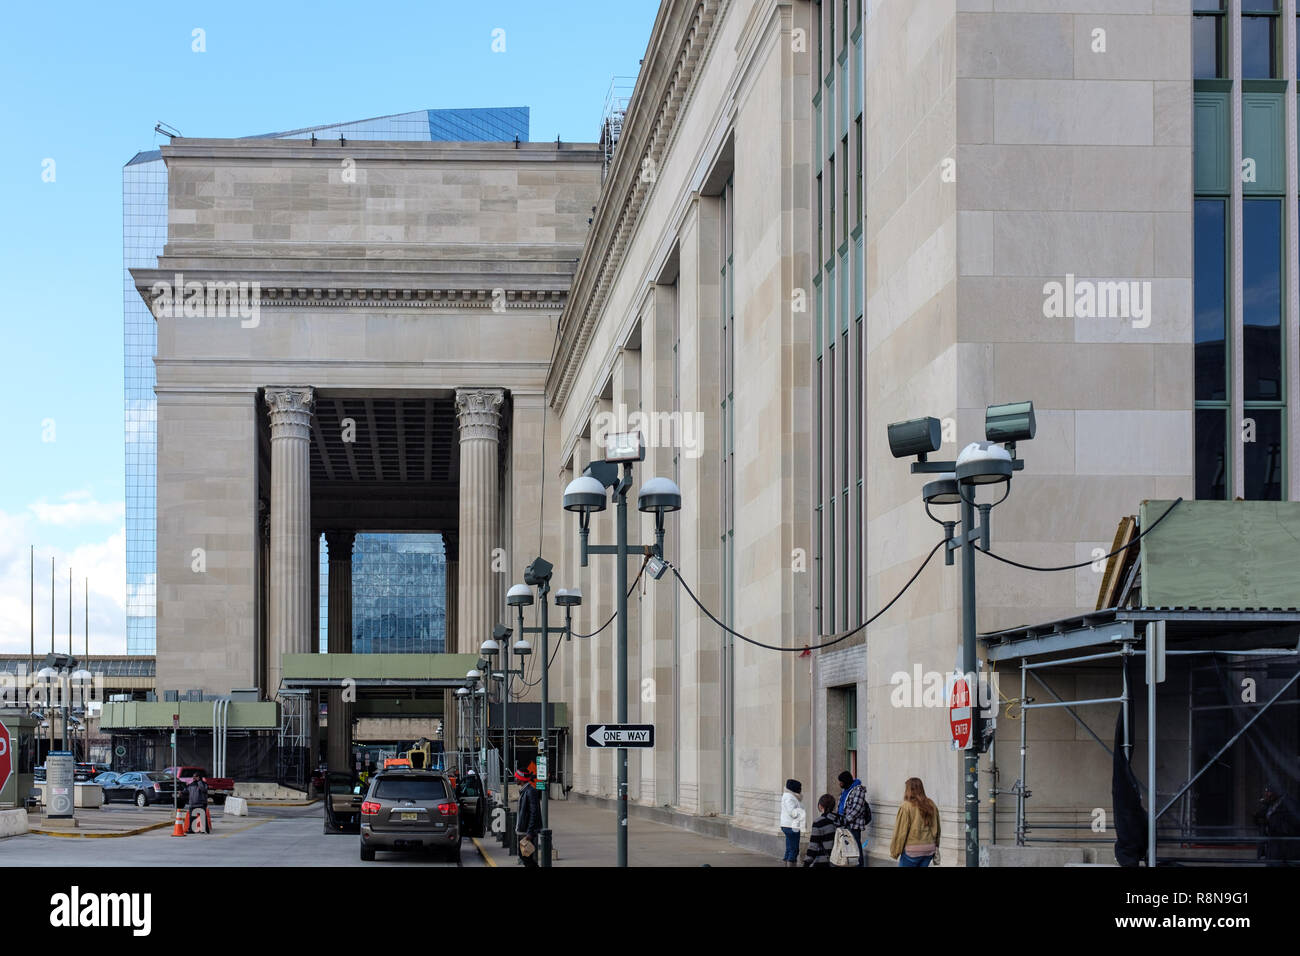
(6, 757)
(959, 714)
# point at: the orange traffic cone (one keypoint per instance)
(179, 828)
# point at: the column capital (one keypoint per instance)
(290, 405)
(478, 410)
(340, 545)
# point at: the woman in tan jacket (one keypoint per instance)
(916, 829)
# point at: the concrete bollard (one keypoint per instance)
(235, 807)
(13, 822)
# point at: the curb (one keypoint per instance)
(482, 852)
(261, 803)
(102, 836)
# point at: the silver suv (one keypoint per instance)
(410, 810)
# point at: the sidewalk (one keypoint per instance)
(584, 836)
(91, 823)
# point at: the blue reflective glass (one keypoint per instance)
(1258, 48)
(1262, 299)
(1211, 453)
(1211, 300)
(1262, 454)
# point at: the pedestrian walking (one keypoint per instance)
(528, 822)
(793, 817)
(853, 810)
(916, 829)
(822, 836)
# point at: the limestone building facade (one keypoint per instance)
(819, 218)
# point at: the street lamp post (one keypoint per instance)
(538, 574)
(489, 649)
(587, 494)
(980, 463)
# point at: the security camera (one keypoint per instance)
(920, 436)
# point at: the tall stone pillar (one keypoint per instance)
(289, 596)
(478, 412)
(339, 641)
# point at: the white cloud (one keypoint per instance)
(103, 561)
(78, 508)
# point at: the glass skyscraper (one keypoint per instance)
(399, 594)
(144, 232)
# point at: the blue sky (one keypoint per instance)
(83, 86)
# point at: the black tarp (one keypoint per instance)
(1126, 796)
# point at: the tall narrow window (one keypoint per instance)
(851, 730)
(830, 192)
(1213, 463)
(857, 140)
(820, 225)
(1259, 39)
(1209, 28)
(844, 186)
(1262, 299)
(1262, 432)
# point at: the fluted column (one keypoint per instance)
(339, 641)
(478, 412)
(290, 411)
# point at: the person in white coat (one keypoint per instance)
(793, 816)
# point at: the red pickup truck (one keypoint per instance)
(218, 787)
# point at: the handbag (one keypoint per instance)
(526, 847)
(844, 849)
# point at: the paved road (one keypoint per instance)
(269, 836)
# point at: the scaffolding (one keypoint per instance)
(612, 117)
(1213, 654)
(294, 743)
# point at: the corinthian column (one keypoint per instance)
(340, 642)
(478, 412)
(289, 595)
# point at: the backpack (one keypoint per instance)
(844, 849)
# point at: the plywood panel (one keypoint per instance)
(1229, 554)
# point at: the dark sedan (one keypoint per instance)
(142, 787)
(105, 780)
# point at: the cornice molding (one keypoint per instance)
(275, 293)
(681, 38)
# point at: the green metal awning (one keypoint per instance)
(194, 715)
(323, 671)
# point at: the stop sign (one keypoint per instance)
(959, 714)
(6, 761)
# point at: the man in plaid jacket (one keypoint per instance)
(853, 810)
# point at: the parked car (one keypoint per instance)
(105, 780)
(85, 772)
(142, 787)
(218, 787)
(410, 810)
(471, 794)
(38, 773)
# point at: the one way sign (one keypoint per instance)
(620, 735)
